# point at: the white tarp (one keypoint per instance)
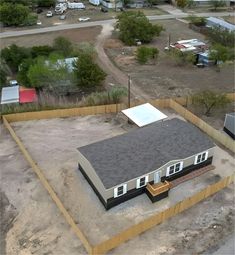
(144, 114)
(10, 95)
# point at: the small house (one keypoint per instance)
(229, 124)
(128, 165)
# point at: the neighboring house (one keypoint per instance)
(119, 168)
(112, 4)
(209, 2)
(229, 124)
(216, 22)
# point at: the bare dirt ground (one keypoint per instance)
(114, 73)
(55, 152)
(75, 35)
(217, 116)
(165, 78)
(30, 223)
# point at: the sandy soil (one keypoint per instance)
(165, 78)
(30, 222)
(55, 152)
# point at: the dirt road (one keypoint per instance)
(120, 77)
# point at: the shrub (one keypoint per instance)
(146, 53)
(135, 25)
(13, 14)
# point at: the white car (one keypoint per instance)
(39, 22)
(49, 14)
(84, 19)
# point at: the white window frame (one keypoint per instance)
(168, 168)
(200, 154)
(138, 181)
(115, 191)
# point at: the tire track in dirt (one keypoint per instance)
(120, 77)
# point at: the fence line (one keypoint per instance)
(48, 187)
(154, 220)
(215, 134)
(93, 110)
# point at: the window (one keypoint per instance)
(173, 169)
(141, 182)
(201, 157)
(120, 190)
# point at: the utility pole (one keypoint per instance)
(129, 91)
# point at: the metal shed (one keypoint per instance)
(10, 95)
(215, 22)
(229, 124)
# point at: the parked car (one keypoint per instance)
(39, 22)
(84, 19)
(13, 83)
(39, 10)
(49, 14)
(62, 17)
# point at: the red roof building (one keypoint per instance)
(27, 95)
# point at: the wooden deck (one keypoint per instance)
(158, 188)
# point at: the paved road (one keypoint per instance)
(103, 22)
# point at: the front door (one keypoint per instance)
(157, 176)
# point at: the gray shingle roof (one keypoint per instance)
(124, 157)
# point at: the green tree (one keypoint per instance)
(221, 36)
(197, 21)
(14, 55)
(182, 58)
(135, 25)
(210, 100)
(46, 3)
(13, 14)
(87, 72)
(63, 46)
(182, 3)
(152, 2)
(191, 3)
(43, 50)
(218, 3)
(145, 53)
(22, 76)
(220, 53)
(47, 73)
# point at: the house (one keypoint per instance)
(204, 3)
(112, 4)
(220, 23)
(62, 63)
(229, 124)
(121, 167)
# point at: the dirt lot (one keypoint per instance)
(75, 35)
(165, 78)
(55, 152)
(217, 116)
